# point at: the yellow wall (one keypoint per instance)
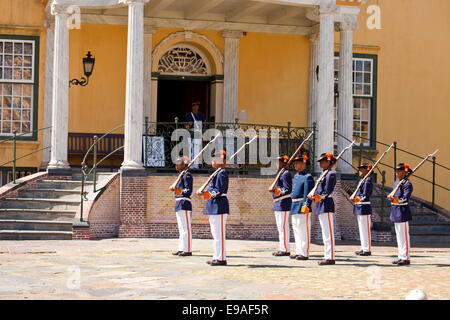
(273, 78)
(27, 22)
(413, 77)
(413, 83)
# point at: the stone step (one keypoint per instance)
(37, 214)
(35, 235)
(34, 203)
(63, 194)
(435, 228)
(100, 176)
(61, 184)
(429, 239)
(424, 219)
(38, 225)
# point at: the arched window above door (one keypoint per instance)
(183, 59)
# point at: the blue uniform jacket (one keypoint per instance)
(218, 203)
(402, 213)
(364, 194)
(185, 184)
(198, 117)
(285, 185)
(325, 189)
(303, 184)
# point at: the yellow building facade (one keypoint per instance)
(404, 41)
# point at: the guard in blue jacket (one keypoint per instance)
(301, 208)
(183, 209)
(363, 210)
(217, 208)
(325, 208)
(282, 206)
(401, 214)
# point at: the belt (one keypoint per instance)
(400, 204)
(220, 195)
(282, 198)
(365, 202)
(187, 199)
(297, 200)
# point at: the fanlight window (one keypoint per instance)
(182, 60)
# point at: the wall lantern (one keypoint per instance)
(88, 67)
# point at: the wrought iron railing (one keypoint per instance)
(158, 143)
(85, 172)
(397, 151)
(14, 140)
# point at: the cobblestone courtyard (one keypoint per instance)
(145, 269)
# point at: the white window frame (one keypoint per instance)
(19, 81)
(357, 96)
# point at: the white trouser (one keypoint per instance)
(301, 225)
(364, 223)
(195, 147)
(218, 224)
(282, 218)
(402, 232)
(327, 225)
(184, 229)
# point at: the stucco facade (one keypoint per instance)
(413, 77)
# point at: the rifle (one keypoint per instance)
(402, 182)
(360, 184)
(203, 187)
(312, 193)
(272, 186)
(182, 173)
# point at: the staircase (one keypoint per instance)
(45, 212)
(426, 226)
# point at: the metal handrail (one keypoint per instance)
(397, 148)
(84, 168)
(433, 161)
(14, 140)
(14, 137)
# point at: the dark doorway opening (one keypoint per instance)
(175, 98)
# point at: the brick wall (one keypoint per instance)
(133, 207)
(11, 190)
(104, 216)
(251, 214)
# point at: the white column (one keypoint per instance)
(60, 98)
(46, 135)
(148, 38)
(134, 101)
(231, 75)
(345, 104)
(324, 116)
(313, 63)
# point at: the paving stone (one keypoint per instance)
(145, 269)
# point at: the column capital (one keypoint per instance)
(149, 29)
(49, 23)
(314, 13)
(314, 35)
(57, 8)
(128, 2)
(348, 23)
(232, 34)
(327, 9)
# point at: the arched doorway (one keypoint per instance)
(186, 66)
(184, 77)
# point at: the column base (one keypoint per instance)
(133, 172)
(133, 203)
(62, 172)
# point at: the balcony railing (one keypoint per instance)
(158, 142)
